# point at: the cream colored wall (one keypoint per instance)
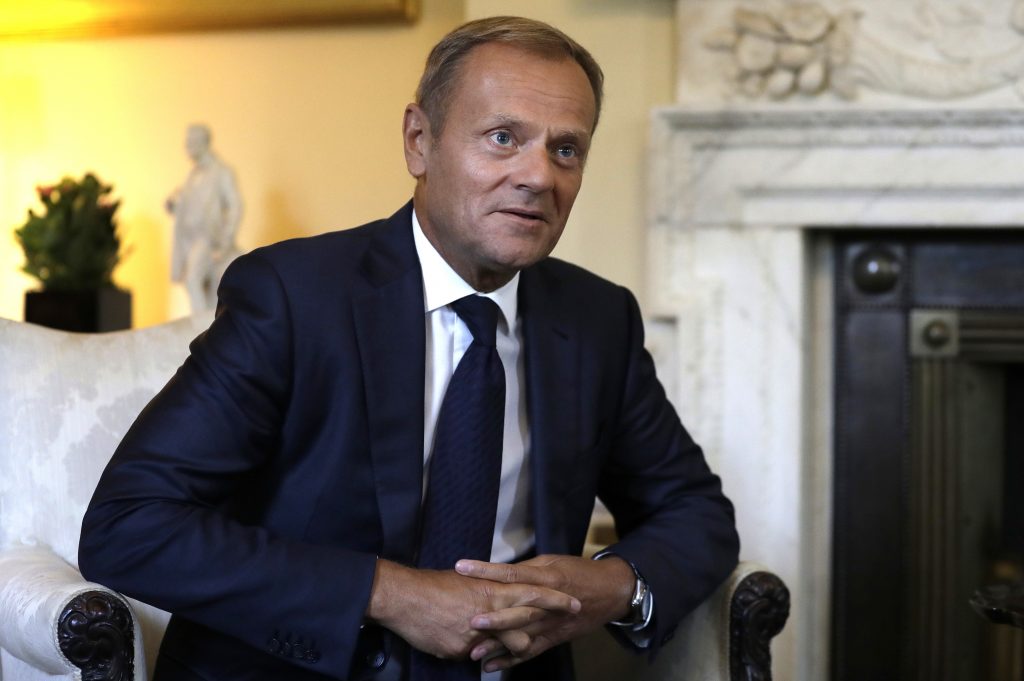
(310, 119)
(633, 42)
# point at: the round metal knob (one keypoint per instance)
(937, 334)
(876, 270)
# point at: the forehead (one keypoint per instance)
(495, 76)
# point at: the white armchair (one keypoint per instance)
(66, 401)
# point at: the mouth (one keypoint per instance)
(524, 214)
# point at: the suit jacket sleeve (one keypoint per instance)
(161, 527)
(675, 525)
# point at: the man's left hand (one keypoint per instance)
(604, 588)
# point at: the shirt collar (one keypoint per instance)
(442, 285)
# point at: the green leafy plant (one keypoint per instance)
(74, 244)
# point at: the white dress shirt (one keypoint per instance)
(447, 339)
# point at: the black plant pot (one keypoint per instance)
(105, 309)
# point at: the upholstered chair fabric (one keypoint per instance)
(66, 400)
(699, 650)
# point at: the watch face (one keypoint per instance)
(636, 606)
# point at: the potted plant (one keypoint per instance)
(72, 248)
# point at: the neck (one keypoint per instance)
(482, 279)
(486, 282)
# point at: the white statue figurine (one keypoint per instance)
(207, 209)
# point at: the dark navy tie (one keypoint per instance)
(465, 468)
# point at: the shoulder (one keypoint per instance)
(329, 244)
(572, 284)
(329, 255)
(580, 302)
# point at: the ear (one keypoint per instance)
(417, 140)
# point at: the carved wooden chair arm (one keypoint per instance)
(55, 621)
(758, 611)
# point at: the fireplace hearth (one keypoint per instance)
(929, 446)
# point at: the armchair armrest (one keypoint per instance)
(55, 621)
(758, 610)
(726, 638)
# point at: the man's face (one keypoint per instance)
(494, 190)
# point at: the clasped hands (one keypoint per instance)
(498, 613)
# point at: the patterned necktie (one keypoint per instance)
(465, 468)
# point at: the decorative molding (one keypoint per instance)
(991, 335)
(760, 608)
(732, 166)
(95, 633)
(806, 48)
(730, 128)
(794, 48)
(879, 66)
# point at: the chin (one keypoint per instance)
(523, 253)
(520, 260)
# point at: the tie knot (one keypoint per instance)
(481, 316)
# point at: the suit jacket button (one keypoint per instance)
(377, 659)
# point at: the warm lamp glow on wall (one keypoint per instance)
(62, 113)
(27, 18)
(76, 102)
(59, 18)
(20, 139)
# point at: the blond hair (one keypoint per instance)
(441, 74)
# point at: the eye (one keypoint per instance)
(567, 151)
(502, 138)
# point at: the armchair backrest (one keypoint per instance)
(66, 400)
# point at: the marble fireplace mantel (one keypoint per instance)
(742, 199)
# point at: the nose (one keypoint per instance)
(535, 171)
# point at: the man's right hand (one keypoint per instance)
(432, 609)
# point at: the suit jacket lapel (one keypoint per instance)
(390, 328)
(552, 399)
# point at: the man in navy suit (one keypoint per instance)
(270, 496)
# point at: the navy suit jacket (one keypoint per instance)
(252, 497)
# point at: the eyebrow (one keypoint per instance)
(565, 134)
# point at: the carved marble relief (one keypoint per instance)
(776, 51)
(795, 48)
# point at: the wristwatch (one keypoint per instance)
(641, 605)
(638, 613)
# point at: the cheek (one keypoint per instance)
(555, 235)
(567, 189)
